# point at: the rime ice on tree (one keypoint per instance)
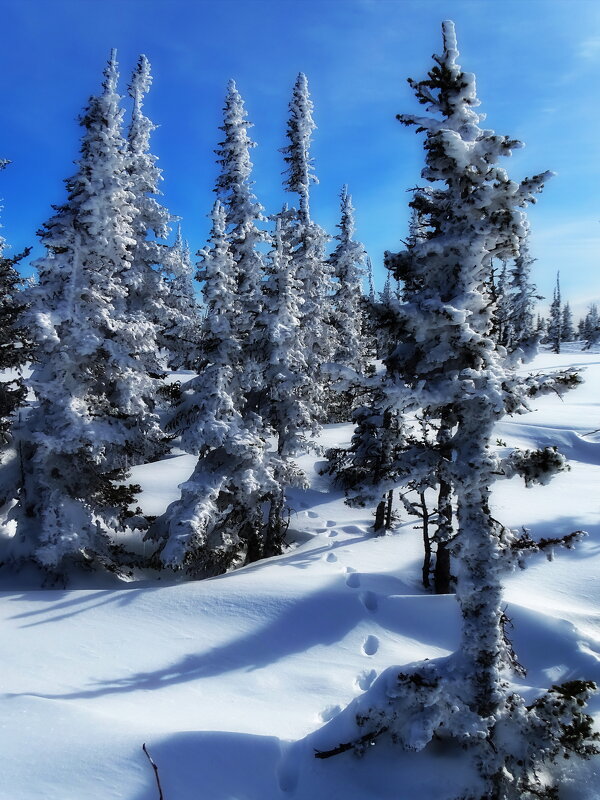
(92, 418)
(449, 364)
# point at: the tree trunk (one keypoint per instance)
(388, 510)
(379, 525)
(426, 542)
(445, 532)
(478, 587)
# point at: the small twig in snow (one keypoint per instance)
(155, 768)
(368, 738)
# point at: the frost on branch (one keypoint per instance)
(446, 364)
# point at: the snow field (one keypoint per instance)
(227, 680)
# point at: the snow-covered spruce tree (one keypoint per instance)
(15, 344)
(310, 263)
(455, 368)
(219, 521)
(91, 418)
(151, 268)
(591, 326)
(524, 295)
(568, 329)
(347, 308)
(347, 262)
(502, 331)
(287, 405)
(182, 336)
(554, 335)
(244, 215)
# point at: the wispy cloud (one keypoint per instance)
(589, 49)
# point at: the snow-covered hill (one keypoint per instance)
(224, 678)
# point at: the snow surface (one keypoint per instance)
(223, 679)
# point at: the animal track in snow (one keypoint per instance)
(369, 601)
(370, 645)
(312, 514)
(331, 533)
(365, 678)
(353, 580)
(331, 523)
(331, 557)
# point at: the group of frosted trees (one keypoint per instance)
(113, 308)
(282, 338)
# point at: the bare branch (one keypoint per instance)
(155, 768)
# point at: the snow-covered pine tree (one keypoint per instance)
(310, 263)
(568, 329)
(182, 336)
(244, 214)
(348, 266)
(503, 322)
(524, 295)
(219, 521)
(91, 418)
(554, 334)
(347, 319)
(287, 406)
(16, 348)
(371, 280)
(450, 365)
(150, 270)
(591, 326)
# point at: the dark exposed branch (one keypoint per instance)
(155, 768)
(368, 738)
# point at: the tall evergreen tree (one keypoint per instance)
(288, 407)
(16, 348)
(310, 263)
(243, 215)
(591, 326)
(449, 364)
(182, 336)
(524, 295)
(91, 418)
(568, 329)
(347, 263)
(218, 523)
(555, 319)
(150, 271)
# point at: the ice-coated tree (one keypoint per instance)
(182, 335)
(308, 245)
(451, 366)
(524, 295)
(371, 280)
(219, 521)
(244, 214)
(568, 329)
(503, 331)
(554, 334)
(287, 404)
(201, 416)
(348, 266)
(91, 418)
(16, 348)
(151, 269)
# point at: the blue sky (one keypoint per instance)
(536, 63)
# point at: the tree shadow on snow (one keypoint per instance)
(320, 619)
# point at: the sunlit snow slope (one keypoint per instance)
(222, 678)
